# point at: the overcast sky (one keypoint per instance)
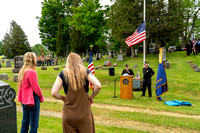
(24, 13)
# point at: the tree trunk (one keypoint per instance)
(156, 51)
(132, 51)
(128, 51)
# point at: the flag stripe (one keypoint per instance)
(91, 67)
(138, 36)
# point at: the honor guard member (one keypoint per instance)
(147, 74)
(127, 71)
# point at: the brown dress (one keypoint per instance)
(77, 115)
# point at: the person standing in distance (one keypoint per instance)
(127, 71)
(29, 94)
(77, 115)
(147, 74)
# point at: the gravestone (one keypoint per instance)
(134, 66)
(87, 57)
(194, 66)
(56, 68)
(3, 76)
(8, 115)
(106, 62)
(197, 69)
(120, 57)
(103, 68)
(189, 62)
(8, 63)
(100, 56)
(97, 56)
(167, 65)
(15, 77)
(164, 54)
(18, 63)
(109, 55)
(43, 68)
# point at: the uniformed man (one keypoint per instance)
(127, 71)
(147, 74)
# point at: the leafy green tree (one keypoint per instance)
(15, 42)
(89, 18)
(1, 48)
(38, 48)
(125, 17)
(53, 25)
(191, 10)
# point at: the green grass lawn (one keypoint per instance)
(183, 85)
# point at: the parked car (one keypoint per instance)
(172, 49)
(4, 57)
(151, 50)
(175, 49)
(140, 49)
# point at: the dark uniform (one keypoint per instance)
(129, 72)
(147, 74)
(188, 49)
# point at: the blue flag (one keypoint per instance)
(161, 81)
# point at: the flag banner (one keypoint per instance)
(138, 36)
(161, 81)
(138, 75)
(91, 67)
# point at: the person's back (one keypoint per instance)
(77, 114)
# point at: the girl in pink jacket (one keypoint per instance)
(29, 94)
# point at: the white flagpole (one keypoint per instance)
(144, 47)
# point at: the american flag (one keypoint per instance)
(91, 67)
(138, 36)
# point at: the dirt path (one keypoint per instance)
(130, 124)
(132, 109)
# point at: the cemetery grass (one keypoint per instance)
(183, 84)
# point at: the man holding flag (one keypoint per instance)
(161, 80)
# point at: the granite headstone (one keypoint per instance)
(120, 57)
(8, 63)
(18, 63)
(8, 115)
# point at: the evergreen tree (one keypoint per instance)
(15, 42)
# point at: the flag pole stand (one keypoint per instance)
(114, 89)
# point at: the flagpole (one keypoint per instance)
(144, 47)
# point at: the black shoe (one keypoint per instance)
(142, 95)
(150, 96)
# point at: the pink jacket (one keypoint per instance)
(28, 86)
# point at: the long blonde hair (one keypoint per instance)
(75, 72)
(29, 62)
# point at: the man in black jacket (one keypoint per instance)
(127, 71)
(147, 74)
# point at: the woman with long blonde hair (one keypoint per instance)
(77, 115)
(29, 94)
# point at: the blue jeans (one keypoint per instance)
(31, 117)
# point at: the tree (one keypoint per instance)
(125, 17)
(1, 48)
(53, 25)
(190, 18)
(89, 18)
(15, 42)
(38, 48)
